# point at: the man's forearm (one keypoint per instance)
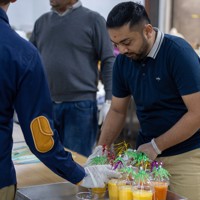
(111, 128)
(180, 132)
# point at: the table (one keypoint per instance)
(38, 173)
(63, 191)
(36, 181)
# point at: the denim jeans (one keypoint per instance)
(77, 125)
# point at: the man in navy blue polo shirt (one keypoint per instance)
(162, 73)
(23, 86)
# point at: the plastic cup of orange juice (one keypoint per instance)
(125, 192)
(100, 192)
(143, 192)
(113, 189)
(160, 190)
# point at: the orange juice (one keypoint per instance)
(125, 192)
(142, 195)
(100, 192)
(160, 192)
(113, 189)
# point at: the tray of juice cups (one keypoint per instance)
(125, 190)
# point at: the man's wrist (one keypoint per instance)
(155, 147)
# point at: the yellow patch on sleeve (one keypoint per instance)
(42, 134)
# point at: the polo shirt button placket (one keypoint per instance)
(143, 65)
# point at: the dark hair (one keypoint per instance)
(4, 2)
(126, 12)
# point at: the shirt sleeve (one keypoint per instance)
(185, 69)
(33, 100)
(120, 85)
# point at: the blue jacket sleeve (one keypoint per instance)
(33, 100)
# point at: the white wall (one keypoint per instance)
(103, 6)
(23, 13)
(164, 23)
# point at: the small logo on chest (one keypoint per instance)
(158, 79)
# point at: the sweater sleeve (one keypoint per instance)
(32, 38)
(105, 53)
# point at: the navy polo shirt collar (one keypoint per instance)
(157, 44)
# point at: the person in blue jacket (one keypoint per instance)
(162, 73)
(23, 87)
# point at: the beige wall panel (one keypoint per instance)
(184, 20)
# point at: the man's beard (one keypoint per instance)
(143, 52)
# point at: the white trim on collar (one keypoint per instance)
(157, 44)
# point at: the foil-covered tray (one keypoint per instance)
(63, 191)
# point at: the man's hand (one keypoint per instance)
(103, 112)
(148, 150)
(98, 175)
